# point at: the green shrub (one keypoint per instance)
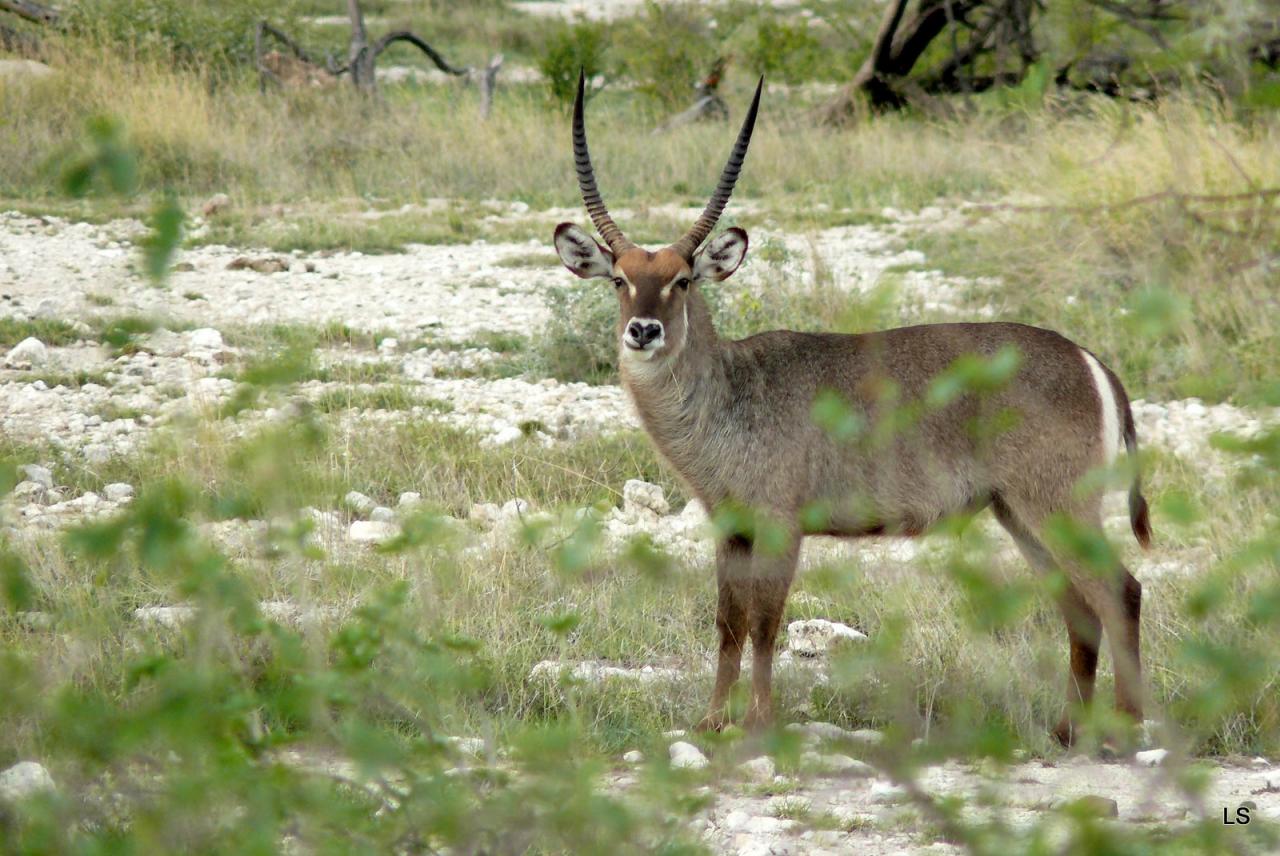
(786, 51)
(568, 51)
(666, 51)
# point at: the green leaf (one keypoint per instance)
(166, 233)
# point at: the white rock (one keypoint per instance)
(289, 613)
(382, 514)
(831, 731)
(635, 756)
(358, 502)
(759, 769)
(97, 453)
(171, 617)
(29, 352)
(14, 71)
(748, 846)
(1151, 757)
(204, 339)
(23, 780)
(641, 496)
(38, 474)
(687, 756)
(1259, 763)
(845, 765)
(887, 793)
(388, 345)
(514, 509)
(817, 636)
(764, 825)
(30, 492)
(467, 745)
(735, 820)
(503, 437)
(408, 498)
(118, 491)
(373, 531)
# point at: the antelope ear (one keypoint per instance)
(721, 256)
(581, 254)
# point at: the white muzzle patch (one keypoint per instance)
(642, 338)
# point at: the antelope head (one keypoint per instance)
(653, 287)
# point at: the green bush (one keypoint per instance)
(786, 51)
(568, 51)
(666, 51)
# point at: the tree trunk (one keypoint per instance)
(894, 53)
(359, 58)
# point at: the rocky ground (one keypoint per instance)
(93, 403)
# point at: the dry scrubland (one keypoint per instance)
(456, 657)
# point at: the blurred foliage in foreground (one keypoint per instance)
(235, 728)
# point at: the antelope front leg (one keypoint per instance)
(733, 564)
(771, 577)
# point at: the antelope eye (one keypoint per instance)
(618, 282)
(683, 283)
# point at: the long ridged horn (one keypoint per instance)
(707, 221)
(608, 230)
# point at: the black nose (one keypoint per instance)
(643, 333)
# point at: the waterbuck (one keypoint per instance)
(736, 420)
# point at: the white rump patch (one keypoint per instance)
(1110, 412)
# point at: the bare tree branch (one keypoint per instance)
(34, 12)
(406, 36)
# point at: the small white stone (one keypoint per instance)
(845, 765)
(30, 492)
(817, 636)
(358, 502)
(764, 825)
(119, 492)
(204, 339)
(23, 780)
(373, 531)
(382, 514)
(408, 498)
(29, 352)
(887, 793)
(641, 496)
(759, 769)
(504, 437)
(388, 345)
(635, 756)
(1259, 763)
(467, 745)
(38, 474)
(171, 617)
(1151, 757)
(687, 756)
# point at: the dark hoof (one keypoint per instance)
(1066, 733)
